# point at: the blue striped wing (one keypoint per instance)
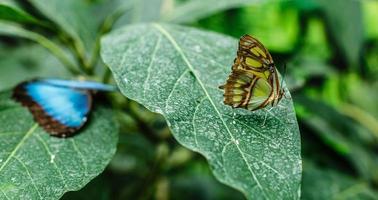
(67, 105)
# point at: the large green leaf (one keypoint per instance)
(175, 71)
(34, 165)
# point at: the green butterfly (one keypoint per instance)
(253, 83)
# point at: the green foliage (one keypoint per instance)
(10, 10)
(10, 29)
(333, 185)
(190, 11)
(36, 166)
(193, 147)
(348, 38)
(27, 62)
(257, 153)
(72, 17)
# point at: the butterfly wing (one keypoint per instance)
(253, 56)
(59, 110)
(261, 95)
(244, 89)
(236, 89)
(253, 83)
(87, 85)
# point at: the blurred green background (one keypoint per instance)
(330, 49)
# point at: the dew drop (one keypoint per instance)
(52, 157)
(125, 80)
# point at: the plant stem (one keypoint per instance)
(60, 55)
(145, 192)
(107, 75)
(146, 130)
(106, 26)
(15, 30)
(81, 58)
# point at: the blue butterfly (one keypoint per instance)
(60, 106)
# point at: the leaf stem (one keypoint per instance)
(106, 26)
(79, 53)
(146, 130)
(107, 75)
(145, 192)
(59, 54)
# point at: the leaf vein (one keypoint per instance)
(174, 87)
(76, 148)
(254, 130)
(55, 166)
(157, 45)
(29, 175)
(194, 125)
(27, 135)
(185, 59)
(2, 191)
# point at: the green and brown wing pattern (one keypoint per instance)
(253, 83)
(245, 90)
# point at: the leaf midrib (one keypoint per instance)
(181, 52)
(11, 155)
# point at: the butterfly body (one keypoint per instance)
(61, 107)
(253, 83)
